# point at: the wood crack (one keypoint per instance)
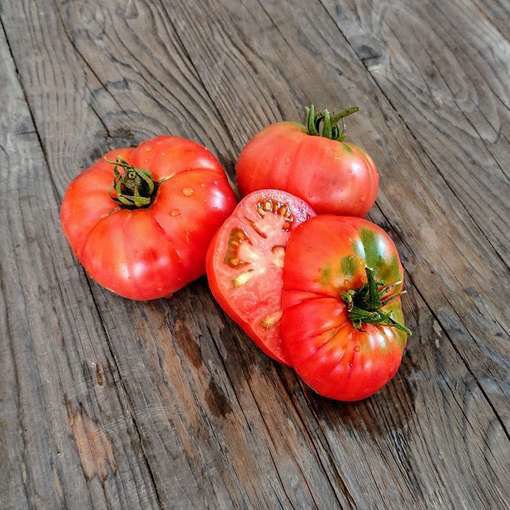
(468, 120)
(88, 65)
(197, 74)
(343, 486)
(242, 409)
(417, 141)
(31, 113)
(128, 396)
(271, 453)
(56, 196)
(453, 344)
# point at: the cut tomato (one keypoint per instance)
(245, 261)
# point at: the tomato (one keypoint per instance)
(245, 260)
(140, 219)
(312, 162)
(342, 326)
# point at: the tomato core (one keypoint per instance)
(243, 253)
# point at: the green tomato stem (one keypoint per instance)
(325, 124)
(134, 187)
(363, 304)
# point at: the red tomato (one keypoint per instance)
(245, 260)
(342, 325)
(312, 163)
(141, 227)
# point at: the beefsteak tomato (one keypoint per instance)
(342, 326)
(245, 260)
(313, 162)
(140, 219)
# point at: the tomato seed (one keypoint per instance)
(276, 207)
(243, 278)
(237, 236)
(278, 255)
(269, 321)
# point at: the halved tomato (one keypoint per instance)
(245, 261)
(342, 326)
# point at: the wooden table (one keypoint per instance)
(107, 403)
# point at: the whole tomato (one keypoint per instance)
(313, 162)
(342, 326)
(140, 219)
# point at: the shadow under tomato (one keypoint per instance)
(221, 340)
(383, 413)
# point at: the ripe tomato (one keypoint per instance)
(140, 220)
(313, 163)
(342, 325)
(245, 260)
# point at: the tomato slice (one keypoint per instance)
(245, 261)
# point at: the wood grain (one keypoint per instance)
(204, 437)
(272, 42)
(67, 435)
(443, 67)
(167, 404)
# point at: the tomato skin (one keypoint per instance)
(249, 304)
(151, 252)
(326, 257)
(333, 177)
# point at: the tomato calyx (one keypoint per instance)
(134, 187)
(326, 124)
(364, 304)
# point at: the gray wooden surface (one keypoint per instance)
(107, 403)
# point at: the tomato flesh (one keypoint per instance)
(325, 258)
(245, 261)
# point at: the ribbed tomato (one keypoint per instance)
(342, 326)
(313, 162)
(140, 219)
(245, 260)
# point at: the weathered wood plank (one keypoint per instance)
(219, 424)
(206, 409)
(497, 12)
(67, 438)
(291, 54)
(445, 70)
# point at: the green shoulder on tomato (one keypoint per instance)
(342, 326)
